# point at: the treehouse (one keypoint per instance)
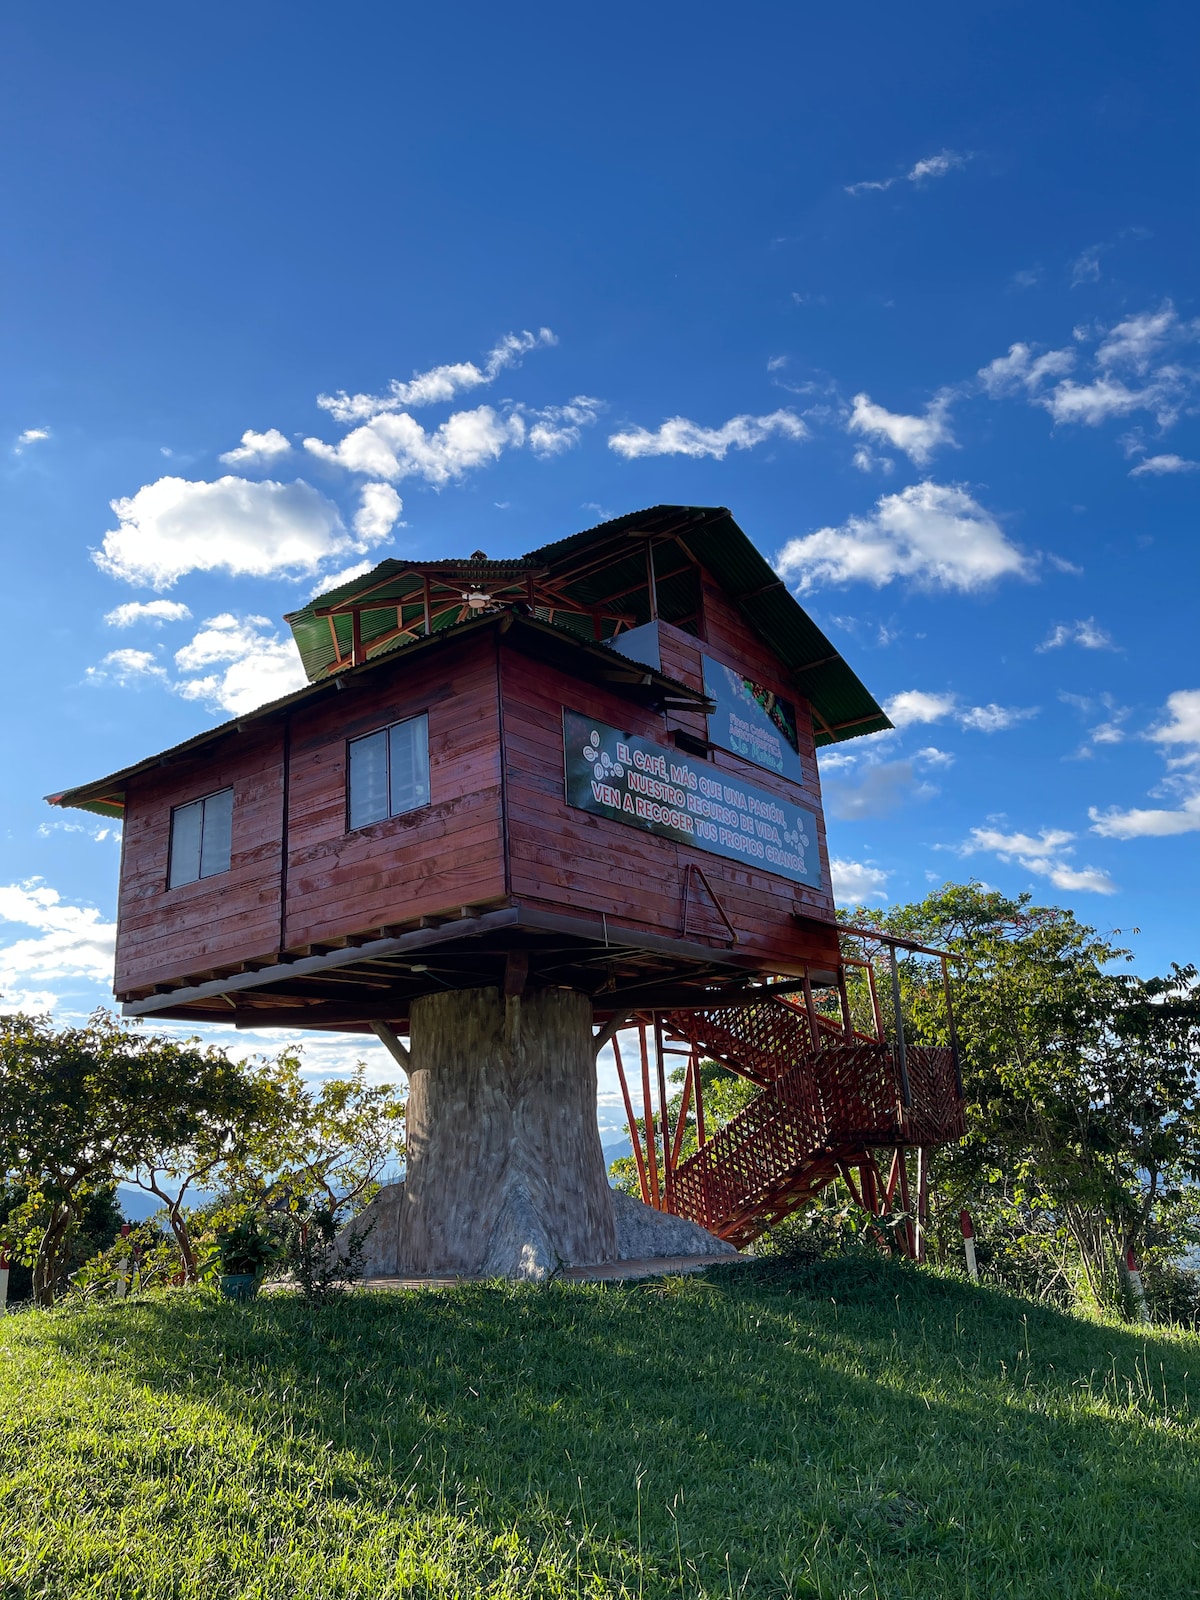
(520, 806)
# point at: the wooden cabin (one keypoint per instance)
(591, 767)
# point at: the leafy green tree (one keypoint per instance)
(1080, 1078)
(80, 1105)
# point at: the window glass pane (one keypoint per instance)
(410, 764)
(368, 779)
(216, 840)
(185, 844)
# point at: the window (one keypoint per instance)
(201, 838)
(389, 772)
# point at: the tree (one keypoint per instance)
(80, 1105)
(1080, 1078)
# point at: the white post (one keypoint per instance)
(1133, 1268)
(968, 1233)
(3, 1283)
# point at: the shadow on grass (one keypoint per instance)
(842, 1428)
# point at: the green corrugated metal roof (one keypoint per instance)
(843, 706)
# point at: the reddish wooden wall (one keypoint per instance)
(161, 932)
(569, 860)
(449, 853)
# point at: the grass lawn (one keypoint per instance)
(846, 1430)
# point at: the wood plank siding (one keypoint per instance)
(497, 826)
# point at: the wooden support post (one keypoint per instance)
(648, 1121)
(958, 1083)
(685, 1104)
(906, 1206)
(810, 1008)
(898, 1017)
(388, 1038)
(661, 1070)
(608, 1033)
(700, 1134)
(635, 1137)
(922, 1199)
(880, 1034)
(428, 609)
(844, 997)
(356, 649)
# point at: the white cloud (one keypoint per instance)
(931, 756)
(258, 449)
(1086, 266)
(173, 527)
(254, 664)
(1147, 824)
(126, 667)
(1157, 466)
(854, 882)
(1044, 854)
(913, 707)
(1087, 633)
(918, 437)
(936, 166)
(1136, 342)
(916, 706)
(680, 437)
(155, 612)
(397, 446)
(993, 718)
(1183, 726)
(437, 385)
(866, 460)
(30, 436)
(933, 534)
(1090, 404)
(334, 580)
(379, 508)
(558, 428)
(1021, 369)
(69, 941)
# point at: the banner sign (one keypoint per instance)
(632, 780)
(751, 721)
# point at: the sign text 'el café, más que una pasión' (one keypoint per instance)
(632, 780)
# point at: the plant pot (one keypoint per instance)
(239, 1285)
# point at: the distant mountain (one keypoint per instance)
(136, 1204)
(614, 1152)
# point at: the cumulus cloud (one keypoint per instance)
(1021, 370)
(680, 437)
(379, 508)
(918, 437)
(1045, 854)
(854, 882)
(557, 428)
(1087, 633)
(126, 667)
(67, 942)
(935, 166)
(439, 384)
(258, 449)
(913, 707)
(173, 527)
(1129, 372)
(253, 664)
(30, 436)
(395, 446)
(1179, 731)
(934, 535)
(1160, 466)
(334, 580)
(155, 612)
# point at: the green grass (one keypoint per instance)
(850, 1430)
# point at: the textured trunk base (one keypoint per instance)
(505, 1174)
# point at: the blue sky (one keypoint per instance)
(910, 289)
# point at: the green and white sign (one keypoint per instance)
(631, 780)
(752, 722)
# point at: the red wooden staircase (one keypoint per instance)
(832, 1101)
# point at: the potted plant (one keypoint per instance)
(244, 1251)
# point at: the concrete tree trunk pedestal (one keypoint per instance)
(505, 1173)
